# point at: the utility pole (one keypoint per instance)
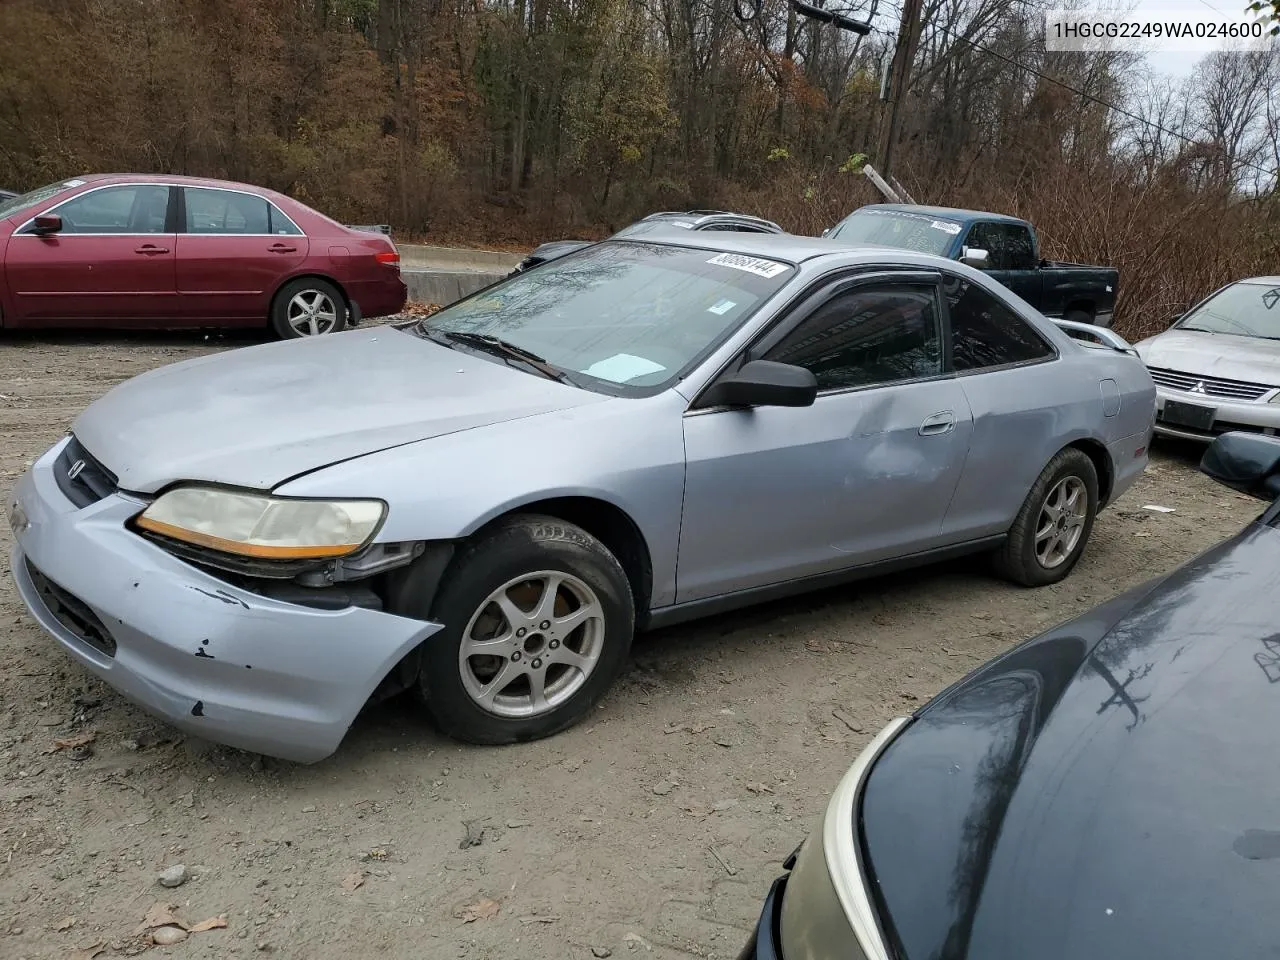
(904, 55)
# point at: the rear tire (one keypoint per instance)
(308, 307)
(1053, 525)
(538, 619)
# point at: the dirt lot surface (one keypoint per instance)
(652, 830)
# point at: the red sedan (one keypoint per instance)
(177, 252)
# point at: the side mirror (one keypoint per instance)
(975, 257)
(1246, 462)
(46, 223)
(764, 383)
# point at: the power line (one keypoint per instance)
(1087, 96)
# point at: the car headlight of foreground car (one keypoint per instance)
(827, 892)
(263, 527)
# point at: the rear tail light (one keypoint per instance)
(388, 256)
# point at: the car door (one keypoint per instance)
(1010, 379)
(111, 263)
(864, 474)
(1013, 256)
(234, 252)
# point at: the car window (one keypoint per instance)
(867, 336)
(23, 201)
(280, 224)
(1242, 310)
(1008, 245)
(621, 317)
(225, 211)
(895, 228)
(985, 333)
(134, 209)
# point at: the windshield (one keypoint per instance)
(619, 317)
(22, 202)
(892, 228)
(1242, 309)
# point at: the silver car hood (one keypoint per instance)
(1252, 359)
(257, 416)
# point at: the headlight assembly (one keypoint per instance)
(263, 527)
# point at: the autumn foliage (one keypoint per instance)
(506, 122)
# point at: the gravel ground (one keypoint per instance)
(651, 830)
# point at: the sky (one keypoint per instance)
(1181, 64)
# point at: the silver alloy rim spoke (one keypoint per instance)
(1061, 522)
(312, 313)
(532, 644)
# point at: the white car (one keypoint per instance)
(1217, 368)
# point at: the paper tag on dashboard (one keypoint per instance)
(756, 265)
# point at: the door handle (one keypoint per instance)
(943, 422)
(150, 249)
(281, 248)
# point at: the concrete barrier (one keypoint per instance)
(446, 286)
(421, 256)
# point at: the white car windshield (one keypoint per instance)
(1242, 309)
(894, 228)
(618, 317)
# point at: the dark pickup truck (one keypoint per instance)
(1005, 247)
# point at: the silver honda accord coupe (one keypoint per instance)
(485, 506)
(1217, 369)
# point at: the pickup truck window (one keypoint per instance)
(985, 333)
(1008, 244)
(895, 228)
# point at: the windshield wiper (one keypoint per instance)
(500, 348)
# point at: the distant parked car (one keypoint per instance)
(176, 252)
(1006, 248)
(1106, 789)
(1217, 368)
(500, 495)
(686, 220)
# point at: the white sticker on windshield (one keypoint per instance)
(756, 265)
(622, 367)
(721, 308)
(945, 227)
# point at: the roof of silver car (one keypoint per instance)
(786, 247)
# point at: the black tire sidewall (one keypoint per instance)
(514, 548)
(1079, 316)
(280, 306)
(1025, 565)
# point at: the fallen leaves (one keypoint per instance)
(70, 743)
(87, 953)
(213, 923)
(483, 909)
(163, 926)
(65, 924)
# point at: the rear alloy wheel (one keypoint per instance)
(1052, 527)
(308, 308)
(538, 619)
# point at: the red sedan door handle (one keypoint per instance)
(281, 248)
(150, 249)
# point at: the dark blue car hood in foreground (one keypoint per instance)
(1081, 799)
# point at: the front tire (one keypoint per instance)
(308, 307)
(1079, 316)
(1053, 525)
(538, 619)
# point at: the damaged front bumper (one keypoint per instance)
(216, 661)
